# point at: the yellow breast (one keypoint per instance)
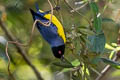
(59, 26)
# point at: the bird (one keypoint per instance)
(53, 34)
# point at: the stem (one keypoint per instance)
(76, 9)
(9, 72)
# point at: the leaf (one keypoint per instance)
(107, 20)
(110, 62)
(97, 43)
(76, 62)
(111, 54)
(114, 44)
(85, 70)
(63, 64)
(97, 21)
(66, 69)
(86, 31)
(107, 46)
(94, 8)
(98, 24)
(83, 38)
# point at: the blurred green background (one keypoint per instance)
(17, 17)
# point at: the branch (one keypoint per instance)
(78, 8)
(20, 50)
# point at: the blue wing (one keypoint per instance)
(50, 33)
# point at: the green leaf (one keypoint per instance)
(98, 24)
(76, 62)
(86, 31)
(82, 38)
(114, 44)
(107, 46)
(107, 20)
(67, 69)
(97, 43)
(112, 63)
(63, 64)
(94, 8)
(111, 54)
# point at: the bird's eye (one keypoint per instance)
(59, 52)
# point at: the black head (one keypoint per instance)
(58, 51)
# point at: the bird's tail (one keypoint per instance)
(37, 6)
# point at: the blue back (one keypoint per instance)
(50, 33)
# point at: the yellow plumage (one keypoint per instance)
(57, 23)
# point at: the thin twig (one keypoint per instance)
(54, 2)
(105, 7)
(8, 67)
(89, 22)
(59, 12)
(70, 75)
(47, 24)
(8, 58)
(76, 9)
(94, 70)
(51, 11)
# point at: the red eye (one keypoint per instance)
(59, 52)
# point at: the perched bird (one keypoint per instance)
(53, 34)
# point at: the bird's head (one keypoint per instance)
(58, 51)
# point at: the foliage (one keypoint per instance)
(87, 47)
